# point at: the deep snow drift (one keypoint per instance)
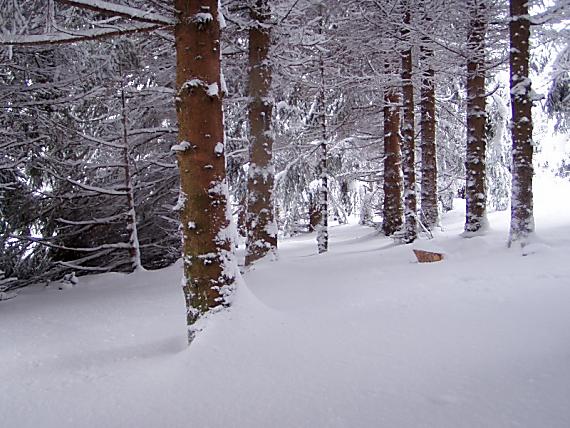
(360, 337)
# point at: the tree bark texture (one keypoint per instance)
(475, 187)
(408, 137)
(522, 219)
(207, 257)
(428, 142)
(261, 226)
(392, 207)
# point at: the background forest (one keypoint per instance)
(365, 111)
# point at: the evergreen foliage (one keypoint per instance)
(84, 125)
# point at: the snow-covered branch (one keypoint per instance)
(75, 36)
(105, 220)
(119, 246)
(109, 8)
(96, 189)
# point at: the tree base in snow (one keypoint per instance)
(428, 256)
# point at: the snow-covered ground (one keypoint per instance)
(360, 337)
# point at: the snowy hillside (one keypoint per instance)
(362, 336)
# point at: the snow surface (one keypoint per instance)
(362, 336)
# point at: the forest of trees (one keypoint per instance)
(136, 132)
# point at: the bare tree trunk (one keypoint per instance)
(475, 189)
(428, 143)
(50, 16)
(322, 230)
(262, 229)
(134, 245)
(314, 211)
(242, 216)
(392, 207)
(209, 272)
(522, 219)
(408, 143)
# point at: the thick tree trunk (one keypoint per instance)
(522, 219)
(261, 226)
(428, 143)
(322, 229)
(475, 190)
(408, 137)
(207, 257)
(392, 208)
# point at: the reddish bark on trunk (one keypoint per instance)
(522, 219)
(200, 153)
(261, 227)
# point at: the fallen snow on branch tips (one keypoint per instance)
(213, 90)
(181, 147)
(180, 202)
(203, 18)
(194, 83)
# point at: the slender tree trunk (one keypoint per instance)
(314, 211)
(475, 190)
(134, 245)
(522, 219)
(209, 272)
(408, 142)
(392, 208)
(428, 143)
(322, 229)
(262, 229)
(50, 16)
(242, 216)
